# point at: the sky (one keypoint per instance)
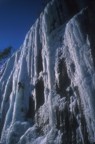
(16, 18)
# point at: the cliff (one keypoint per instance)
(47, 88)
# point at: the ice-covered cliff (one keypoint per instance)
(47, 88)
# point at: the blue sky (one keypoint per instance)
(16, 18)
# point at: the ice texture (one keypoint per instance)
(47, 87)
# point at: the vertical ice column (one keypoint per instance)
(20, 105)
(76, 42)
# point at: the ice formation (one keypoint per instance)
(47, 88)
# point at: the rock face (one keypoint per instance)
(47, 88)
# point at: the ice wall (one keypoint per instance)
(47, 88)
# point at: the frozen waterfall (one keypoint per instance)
(47, 87)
